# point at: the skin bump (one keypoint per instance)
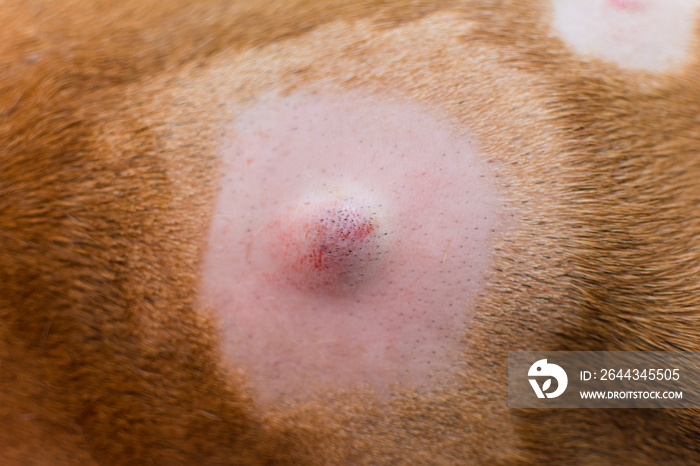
(342, 256)
(327, 246)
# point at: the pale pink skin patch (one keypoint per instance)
(649, 35)
(396, 314)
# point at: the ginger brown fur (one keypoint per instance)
(110, 117)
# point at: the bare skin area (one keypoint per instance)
(651, 35)
(393, 315)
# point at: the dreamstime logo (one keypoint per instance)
(543, 369)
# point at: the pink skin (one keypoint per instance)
(389, 304)
(629, 5)
(648, 35)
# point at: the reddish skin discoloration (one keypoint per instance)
(332, 245)
(628, 5)
(334, 240)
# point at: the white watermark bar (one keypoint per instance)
(603, 379)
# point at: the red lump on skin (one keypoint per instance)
(330, 245)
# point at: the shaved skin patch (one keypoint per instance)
(649, 35)
(349, 246)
